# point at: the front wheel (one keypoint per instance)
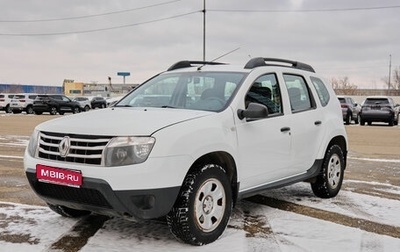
(329, 181)
(29, 110)
(203, 207)
(53, 111)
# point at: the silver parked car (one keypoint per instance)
(22, 102)
(350, 109)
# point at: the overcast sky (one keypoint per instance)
(43, 42)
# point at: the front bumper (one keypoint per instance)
(97, 196)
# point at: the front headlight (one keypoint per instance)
(33, 143)
(127, 150)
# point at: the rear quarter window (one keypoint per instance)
(322, 91)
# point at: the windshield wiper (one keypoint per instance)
(168, 106)
(122, 106)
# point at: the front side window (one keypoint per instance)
(299, 93)
(265, 91)
(210, 91)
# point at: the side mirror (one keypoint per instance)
(253, 111)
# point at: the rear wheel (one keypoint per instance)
(391, 121)
(8, 109)
(203, 207)
(68, 212)
(329, 181)
(76, 110)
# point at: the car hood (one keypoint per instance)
(120, 121)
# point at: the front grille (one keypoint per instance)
(84, 149)
(78, 195)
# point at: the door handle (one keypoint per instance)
(285, 129)
(317, 123)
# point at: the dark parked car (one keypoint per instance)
(98, 102)
(379, 109)
(55, 104)
(350, 109)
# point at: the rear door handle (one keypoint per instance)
(317, 123)
(285, 129)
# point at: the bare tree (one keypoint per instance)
(343, 86)
(394, 85)
(396, 79)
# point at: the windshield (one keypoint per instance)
(211, 91)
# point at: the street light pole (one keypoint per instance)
(390, 72)
(204, 30)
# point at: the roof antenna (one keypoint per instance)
(223, 55)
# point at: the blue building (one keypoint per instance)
(20, 88)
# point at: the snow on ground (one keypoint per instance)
(37, 227)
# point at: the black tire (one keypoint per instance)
(198, 217)
(369, 123)
(329, 181)
(357, 120)
(8, 109)
(362, 122)
(391, 121)
(68, 212)
(348, 119)
(87, 108)
(53, 111)
(76, 110)
(29, 110)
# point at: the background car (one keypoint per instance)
(98, 102)
(5, 100)
(350, 109)
(55, 104)
(379, 109)
(22, 102)
(112, 100)
(84, 102)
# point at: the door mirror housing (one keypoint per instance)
(253, 111)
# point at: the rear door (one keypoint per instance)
(306, 123)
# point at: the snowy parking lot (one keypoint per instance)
(363, 217)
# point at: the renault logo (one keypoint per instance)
(64, 146)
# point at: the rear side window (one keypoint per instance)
(322, 92)
(299, 93)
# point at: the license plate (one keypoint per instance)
(59, 176)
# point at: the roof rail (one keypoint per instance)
(190, 63)
(259, 61)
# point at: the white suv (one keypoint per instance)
(22, 102)
(190, 142)
(5, 100)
